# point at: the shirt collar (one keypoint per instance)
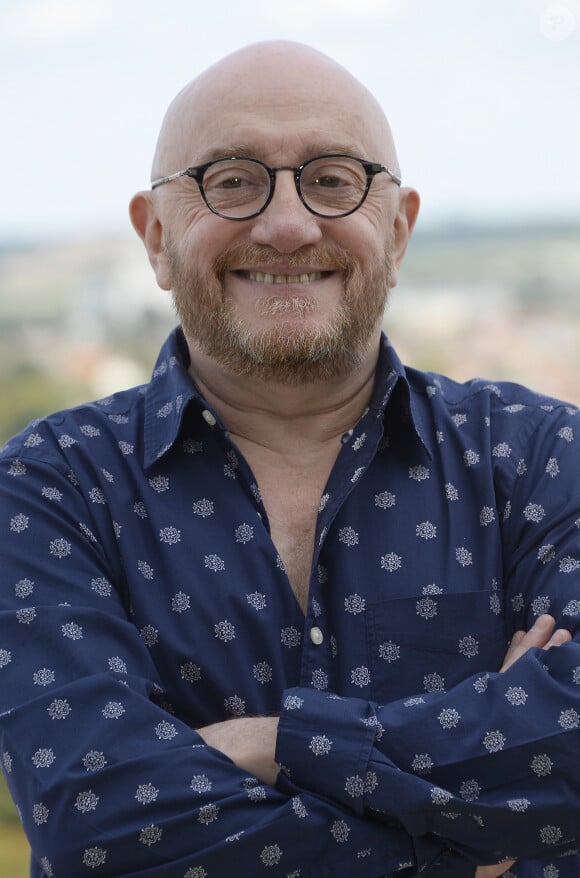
(394, 392)
(171, 390)
(167, 397)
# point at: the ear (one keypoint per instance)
(146, 222)
(409, 203)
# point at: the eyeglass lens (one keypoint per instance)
(329, 186)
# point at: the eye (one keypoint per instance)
(328, 181)
(233, 176)
(334, 173)
(232, 183)
(227, 178)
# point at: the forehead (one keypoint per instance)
(277, 140)
(280, 112)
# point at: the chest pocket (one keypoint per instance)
(430, 643)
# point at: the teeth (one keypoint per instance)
(261, 277)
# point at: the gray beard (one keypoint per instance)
(285, 354)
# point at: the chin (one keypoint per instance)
(289, 353)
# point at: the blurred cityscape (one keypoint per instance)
(81, 318)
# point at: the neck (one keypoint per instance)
(281, 417)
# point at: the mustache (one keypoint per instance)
(327, 257)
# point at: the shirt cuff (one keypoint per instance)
(325, 742)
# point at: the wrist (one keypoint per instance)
(250, 742)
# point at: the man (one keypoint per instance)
(286, 551)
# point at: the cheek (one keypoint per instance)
(367, 234)
(194, 229)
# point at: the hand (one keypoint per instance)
(250, 742)
(493, 871)
(542, 634)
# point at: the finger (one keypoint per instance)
(541, 630)
(558, 638)
(538, 635)
(514, 643)
(517, 639)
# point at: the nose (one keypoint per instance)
(286, 224)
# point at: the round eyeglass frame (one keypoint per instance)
(197, 172)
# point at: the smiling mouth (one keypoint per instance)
(262, 277)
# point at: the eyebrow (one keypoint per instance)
(245, 152)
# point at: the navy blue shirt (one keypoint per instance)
(141, 597)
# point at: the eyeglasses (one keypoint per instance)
(239, 188)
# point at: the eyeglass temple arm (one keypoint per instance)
(394, 177)
(161, 180)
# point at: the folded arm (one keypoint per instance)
(251, 741)
(461, 764)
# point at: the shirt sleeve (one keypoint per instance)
(106, 780)
(491, 765)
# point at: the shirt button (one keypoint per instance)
(208, 417)
(316, 636)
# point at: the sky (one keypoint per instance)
(482, 95)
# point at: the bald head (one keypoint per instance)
(277, 88)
